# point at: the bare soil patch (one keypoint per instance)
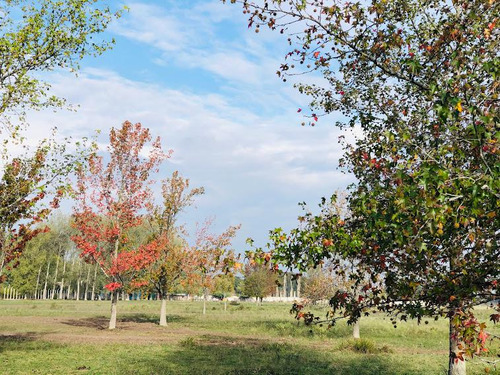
(93, 331)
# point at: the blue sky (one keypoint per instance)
(193, 73)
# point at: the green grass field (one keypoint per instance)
(70, 337)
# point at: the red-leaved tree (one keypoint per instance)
(112, 199)
(213, 257)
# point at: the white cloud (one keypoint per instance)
(251, 166)
(241, 140)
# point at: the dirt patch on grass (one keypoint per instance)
(93, 331)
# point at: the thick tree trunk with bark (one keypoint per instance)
(455, 365)
(163, 311)
(114, 301)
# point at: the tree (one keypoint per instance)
(40, 36)
(224, 287)
(175, 258)
(111, 201)
(420, 78)
(30, 188)
(36, 37)
(259, 281)
(318, 285)
(213, 257)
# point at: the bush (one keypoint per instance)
(363, 346)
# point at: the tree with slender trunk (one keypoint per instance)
(174, 259)
(420, 79)
(42, 36)
(259, 281)
(112, 200)
(212, 256)
(94, 280)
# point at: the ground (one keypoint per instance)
(71, 337)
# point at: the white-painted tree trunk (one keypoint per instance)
(355, 330)
(61, 291)
(204, 301)
(38, 281)
(285, 294)
(163, 311)
(298, 286)
(93, 283)
(455, 366)
(53, 294)
(87, 285)
(44, 296)
(114, 301)
(78, 289)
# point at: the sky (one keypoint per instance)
(196, 75)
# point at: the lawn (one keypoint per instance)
(70, 337)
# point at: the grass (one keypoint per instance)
(70, 337)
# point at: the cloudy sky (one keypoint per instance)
(193, 73)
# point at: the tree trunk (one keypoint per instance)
(163, 311)
(78, 289)
(455, 365)
(284, 285)
(225, 304)
(78, 281)
(87, 285)
(204, 301)
(45, 284)
(355, 330)
(53, 295)
(298, 286)
(114, 300)
(61, 291)
(93, 283)
(38, 282)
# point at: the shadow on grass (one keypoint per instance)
(151, 318)
(214, 355)
(101, 322)
(292, 328)
(29, 341)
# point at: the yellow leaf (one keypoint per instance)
(459, 107)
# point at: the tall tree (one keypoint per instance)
(40, 36)
(30, 188)
(175, 258)
(213, 256)
(112, 200)
(259, 281)
(37, 37)
(319, 285)
(421, 79)
(224, 287)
